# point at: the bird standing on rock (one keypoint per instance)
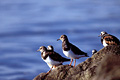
(107, 39)
(51, 58)
(71, 50)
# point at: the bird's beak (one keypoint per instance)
(99, 35)
(38, 50)
(58, 39)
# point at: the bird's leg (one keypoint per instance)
(54, 66)
(49, 70)
(71, 62)
(74, 62)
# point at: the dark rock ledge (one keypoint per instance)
(103, 65)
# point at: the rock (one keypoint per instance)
(109, 68)
(41, 76)
(100, 66)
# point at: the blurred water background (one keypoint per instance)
(25, 25)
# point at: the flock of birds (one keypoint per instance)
(53, 59)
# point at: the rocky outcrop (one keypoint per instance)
(103, 65)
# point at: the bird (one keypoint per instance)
(50, 48)
(71, 50)
(52, 59)
(94, 51)
(108, 39)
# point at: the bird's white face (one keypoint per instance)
(102, 33)
(63, 37)
(41, 49)
(49, 48)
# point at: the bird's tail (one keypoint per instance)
(86, 55)
(65, 59)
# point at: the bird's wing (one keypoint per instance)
(76, 50)
(111, 40)
(57, 57)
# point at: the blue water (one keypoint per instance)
(25, 25)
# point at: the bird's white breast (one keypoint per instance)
(51, 61)
(71, 54)
(104, 43)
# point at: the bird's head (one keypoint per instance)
(62, 38)
(42, 49)
(102, 33)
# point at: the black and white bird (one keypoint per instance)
(71, 50)
(51, 58)
(107, 39)
(50, 48)
(94, 51)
